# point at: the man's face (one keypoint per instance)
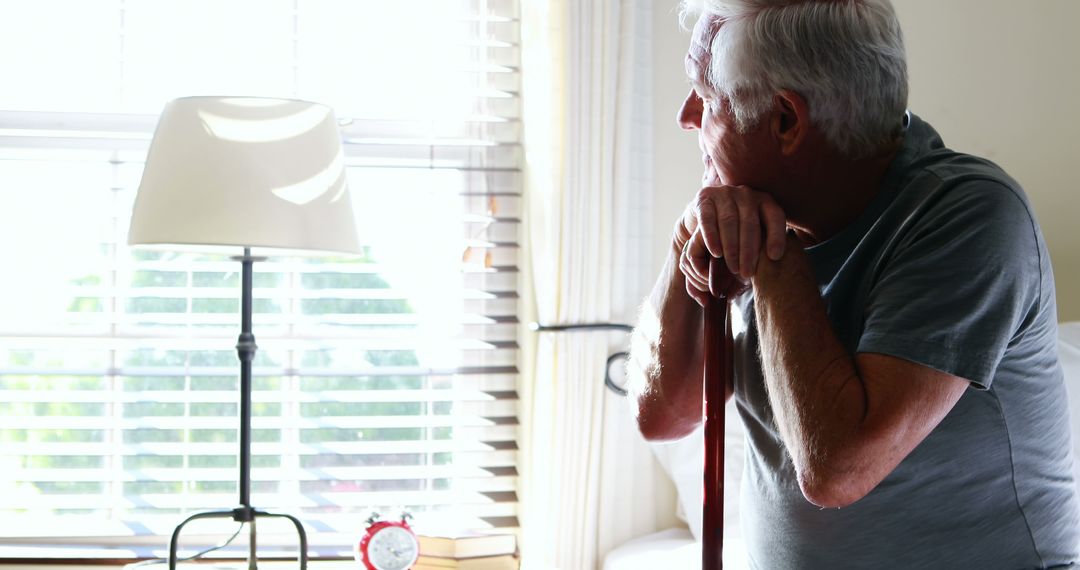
(730, 157)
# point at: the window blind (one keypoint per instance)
(382, 382)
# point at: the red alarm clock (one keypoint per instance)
(388, 545)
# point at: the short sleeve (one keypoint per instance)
(959, 282)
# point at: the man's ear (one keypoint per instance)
(790, 121)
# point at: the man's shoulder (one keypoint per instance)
(927, 154)
(951, 205)
(944, 184)
(952, 169)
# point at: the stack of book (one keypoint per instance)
(467, 551)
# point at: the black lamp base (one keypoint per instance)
(241, 514)
(245, 513)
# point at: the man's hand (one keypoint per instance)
(667, 350)
(726, 222)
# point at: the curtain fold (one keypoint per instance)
(587, 104)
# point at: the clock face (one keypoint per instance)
(392, 548)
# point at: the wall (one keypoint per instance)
(997, 78)
(676, 161)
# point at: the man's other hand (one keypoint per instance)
(728, 222)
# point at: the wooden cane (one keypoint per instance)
(717, 376)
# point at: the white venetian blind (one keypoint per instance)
(381, 382)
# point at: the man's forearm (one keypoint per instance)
(818, 399)
(666, 359)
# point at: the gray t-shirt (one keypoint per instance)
(947, 267)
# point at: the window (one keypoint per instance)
(382, 382)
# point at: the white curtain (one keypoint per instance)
(587, 476)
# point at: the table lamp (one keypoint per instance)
(243, 173)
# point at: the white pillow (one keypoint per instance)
(1069, 352)
(1069, 349)
(684, 462)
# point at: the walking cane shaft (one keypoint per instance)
(717, 376)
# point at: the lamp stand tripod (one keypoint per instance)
(245, 513)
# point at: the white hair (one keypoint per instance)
(844, 57)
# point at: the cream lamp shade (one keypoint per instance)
(245, 171)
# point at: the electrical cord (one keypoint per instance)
(195, 556)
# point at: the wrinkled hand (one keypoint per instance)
(726, 222)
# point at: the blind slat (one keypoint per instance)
(469, 501)
(459, 473)
(259, 396)
(258, 423)
(496, 449)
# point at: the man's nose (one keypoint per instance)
(689, 117)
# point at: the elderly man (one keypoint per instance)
(897, 374)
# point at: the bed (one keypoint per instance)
(682, 461)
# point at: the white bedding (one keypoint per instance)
(671, 549)
(676, 548)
